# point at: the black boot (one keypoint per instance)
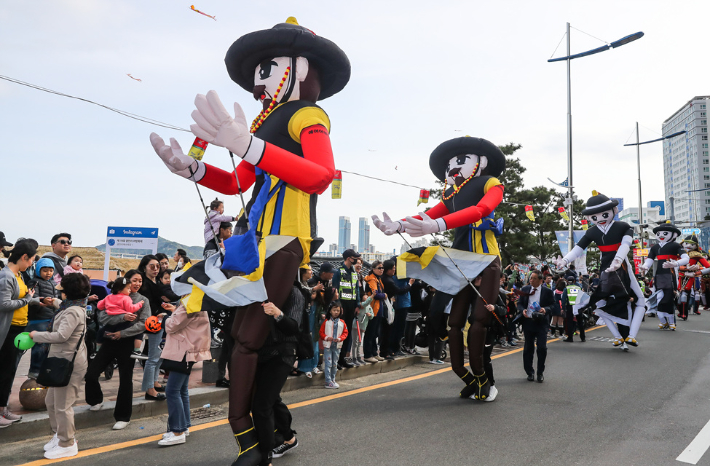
(483, 387)
(470, 387)
(249, 454)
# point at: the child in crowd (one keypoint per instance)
(165, 289)
(75, 264)
(216, 215)
(40, 315)
(117, 303)
(333, 332)
(363, 314)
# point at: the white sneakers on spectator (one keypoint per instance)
(5, 413)
(187, 432)
(332, 385)
(436, 361)
(62, 452)
(5, 422)
(96, 407)
(316, 370)
(120, 425)
(172, 439)
(52, 443)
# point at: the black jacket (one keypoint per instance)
(547, 301)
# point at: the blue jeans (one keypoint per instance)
(178, 400)
(330, 361)
(152, 365)
(308, 365)
(39, 350)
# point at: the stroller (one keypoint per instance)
(99, 288)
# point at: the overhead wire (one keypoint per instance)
(116, 110)
(558, 45)
(594, 37)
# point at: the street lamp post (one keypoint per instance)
(568, 59)
(638, 165)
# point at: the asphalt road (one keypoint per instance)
(597, 406)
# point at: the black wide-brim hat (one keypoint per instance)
(599, 203)
(668, 226)
(288, 39)
(439, 159)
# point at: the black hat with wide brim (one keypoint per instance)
(288, 39)
(599, 203)
(439, 159)
(668, 226)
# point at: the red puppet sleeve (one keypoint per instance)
(489, 202)
(224, 182)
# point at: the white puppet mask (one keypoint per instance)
(602, 219)
(462, 167)
(688, 246)
(269, 74)
(666, 236)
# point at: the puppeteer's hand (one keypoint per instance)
(216, 126)
(670, 264)
(176, 161)
(689, 274)
(615, 264)
(387, 226)
(425, 226)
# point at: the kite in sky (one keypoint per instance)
(129, 75)
(192, 7)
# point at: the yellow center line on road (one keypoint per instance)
(209, 425)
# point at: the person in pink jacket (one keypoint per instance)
(333, 332)
(117, 303)
(187, 341)
(216, 216)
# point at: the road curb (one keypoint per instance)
(37, 424)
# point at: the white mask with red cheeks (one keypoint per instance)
(666, 236)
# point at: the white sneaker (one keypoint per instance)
(62, 452)
(96, 407)
(52, 443)
(187, 433)
(172, 439)
(493, 394)
(120, 425)
(436, 361)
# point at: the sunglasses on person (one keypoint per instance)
(153, 266)
(64, 241)
(379, 268)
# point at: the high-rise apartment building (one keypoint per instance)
(363, 235)
(686, 164)
(343, 234)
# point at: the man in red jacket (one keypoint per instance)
(288, 68)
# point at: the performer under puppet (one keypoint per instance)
(287, 68)
(669, 254)
(697, 267)
(618, 300)
(469, 166)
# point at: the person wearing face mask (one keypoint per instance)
(286, 157)
(469, 166)
(669, 254)
(619, 300)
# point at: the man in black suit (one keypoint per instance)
(535, 325)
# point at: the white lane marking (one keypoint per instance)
(697, 447)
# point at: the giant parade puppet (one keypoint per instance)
(470, 167)
(668, 255)
(287, 158)
(697, 267)
(618, 300)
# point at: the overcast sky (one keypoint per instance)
(422, 73)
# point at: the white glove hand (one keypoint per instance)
(561, 262)
(176, 161)
(387, 226)
(689, 274)
(642, 270)
(695, 266)
(216, 126)
(615, 264)
(670, 264)
(415, 227)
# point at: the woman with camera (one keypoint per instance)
(66, 341)
(14, 305)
